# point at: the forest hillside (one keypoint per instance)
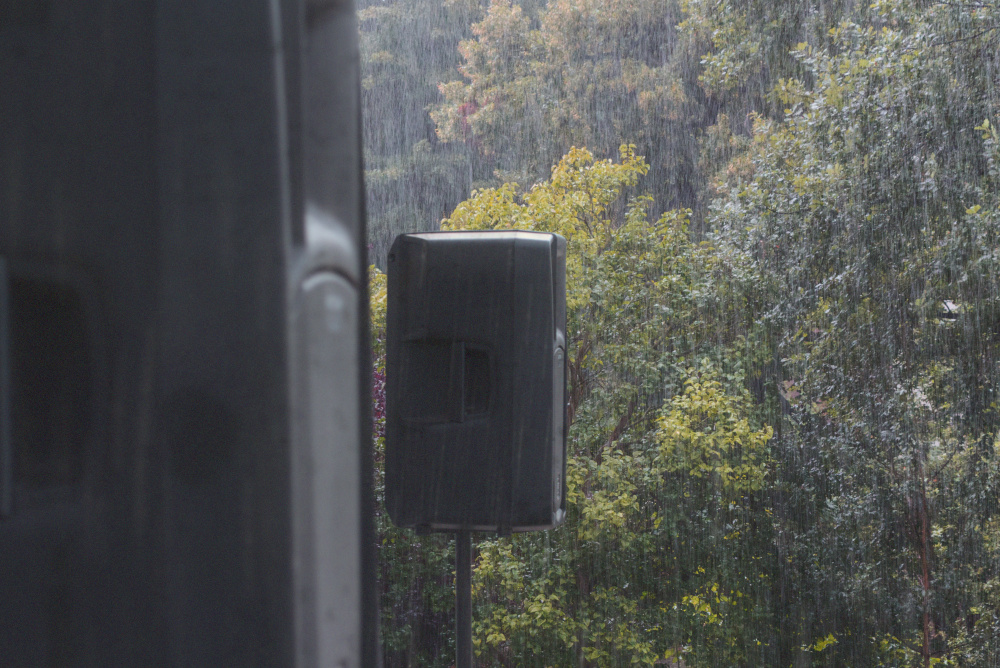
(783, 226)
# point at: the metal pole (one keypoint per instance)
(463, 599)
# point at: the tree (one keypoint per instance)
(664, 463)
(863, 213)
(576, 72)
(411, 179)
(784, 424)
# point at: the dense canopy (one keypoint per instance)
(784, 321)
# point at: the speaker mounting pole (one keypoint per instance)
(463, 599)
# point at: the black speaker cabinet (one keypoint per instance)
(184, 382)
(475, 381)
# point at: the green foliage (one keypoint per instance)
(705, 433)
(784, 414)
(663, 461)
(868, 212)
(575, 72)
(407, 47)
(377, 302)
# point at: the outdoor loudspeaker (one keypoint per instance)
(476, 381)
(185, 475)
